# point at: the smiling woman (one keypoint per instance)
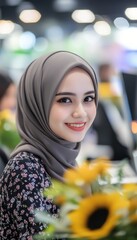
(73, 109)
(56, 105)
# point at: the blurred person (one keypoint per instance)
(7, 115)
(109, 82)
(7, 92)
(110, 125)
(105, 72)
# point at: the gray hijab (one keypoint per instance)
(36, 91)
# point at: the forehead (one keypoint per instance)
(76, 77)
(77, 70)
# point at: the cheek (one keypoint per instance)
(56, 116)
(92, 113)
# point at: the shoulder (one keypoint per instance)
(25, 160)
(22, 184)
(26, 167)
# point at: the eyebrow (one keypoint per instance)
(73, 94)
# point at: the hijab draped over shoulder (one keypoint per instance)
(36, 92)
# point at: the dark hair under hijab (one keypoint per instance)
(36, 91)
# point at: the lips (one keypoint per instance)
(76, 126)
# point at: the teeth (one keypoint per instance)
(76, 125)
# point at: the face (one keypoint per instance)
(9, 99)
(73, 109)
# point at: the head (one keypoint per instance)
(60, 97)
(74, 108)
(7, 92)
(105, 71)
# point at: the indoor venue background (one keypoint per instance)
(103, 32)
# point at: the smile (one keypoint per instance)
(76, 126)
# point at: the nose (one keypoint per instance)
(79, 111)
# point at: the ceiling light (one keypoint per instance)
(102, 28)
(6, 26)
(83, 16)
(121, 22)
(131, 13)
(30, 16)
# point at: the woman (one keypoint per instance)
(56, 105)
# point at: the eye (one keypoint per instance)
(64, 100)
(89, 98)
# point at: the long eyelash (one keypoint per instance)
(63, 100)
(92, 97)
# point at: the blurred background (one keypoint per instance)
(104, 33)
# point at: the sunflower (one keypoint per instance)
(97, 215)
(133, 209)
(87, 172)
(133, 203)
(133, 218)
(102, 165)
(80, 175)
(130, 189)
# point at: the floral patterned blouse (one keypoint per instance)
(21, 186)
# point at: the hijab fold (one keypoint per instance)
(36, 91)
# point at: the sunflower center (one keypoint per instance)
(97, 218)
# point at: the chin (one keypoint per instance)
(74, 140)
